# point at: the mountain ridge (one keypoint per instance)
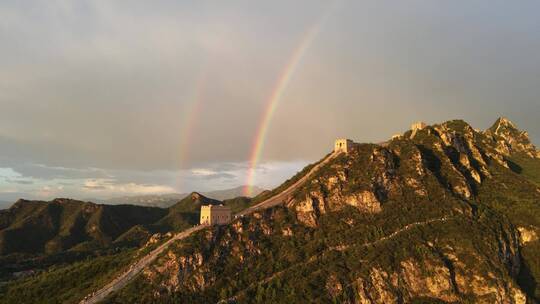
(441, 214)
(388, 224)
(167, 200)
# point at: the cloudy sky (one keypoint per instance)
(105, 98)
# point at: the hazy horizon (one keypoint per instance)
(101, 99)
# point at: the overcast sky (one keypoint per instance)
(107, 98)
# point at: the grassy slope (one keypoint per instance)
(66, 283)
(528, 167)
(185, 213)
(519, 199)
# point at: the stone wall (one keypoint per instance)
(215, 215)
(343, 145)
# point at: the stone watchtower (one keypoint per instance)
(343, 145)
(215, 215)
(420, 125)
(417, 126)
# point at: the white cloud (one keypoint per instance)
(110, 186)
(9, 173)
(203, 172)
(46, 192)
(103, 183)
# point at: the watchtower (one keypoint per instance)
(215, 215)
(420, 125)
(343, 145)
(417, 126)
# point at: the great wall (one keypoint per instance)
(134, 269)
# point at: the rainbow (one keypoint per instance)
(274, 99)
(190, 116)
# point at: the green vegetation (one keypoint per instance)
(254, 261)
(428, 225)
(527, 167)
(185, 213)
(36, 227)
(272, 275)
(238, 204)
(66, 283)
(71, 248)
(518, 199)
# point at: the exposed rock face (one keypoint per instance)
(509, 139)
(329, 192)
(445, 277)
(365, 201)
(334, 286)
(453, 152)
(527, 234)
(393, 223)
(183, 271)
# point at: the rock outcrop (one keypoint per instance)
(429, 216)
(509, 139)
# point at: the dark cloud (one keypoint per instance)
(146, 92)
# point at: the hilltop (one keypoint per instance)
(440, 214)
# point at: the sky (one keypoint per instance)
(110, 98)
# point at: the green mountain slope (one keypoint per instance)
(36, 227)
(185, 213)
(444, 214)
(50, 227)
(102, 240)
(66, 283)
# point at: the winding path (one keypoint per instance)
(124, 278)
(341, 248)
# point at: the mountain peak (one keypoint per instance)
(510, 139)
(501, 124)
(196, 196)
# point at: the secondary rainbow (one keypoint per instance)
(191, 113)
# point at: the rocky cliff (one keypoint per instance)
(441, 215)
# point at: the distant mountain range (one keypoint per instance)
(162, 200)
(167, 200)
